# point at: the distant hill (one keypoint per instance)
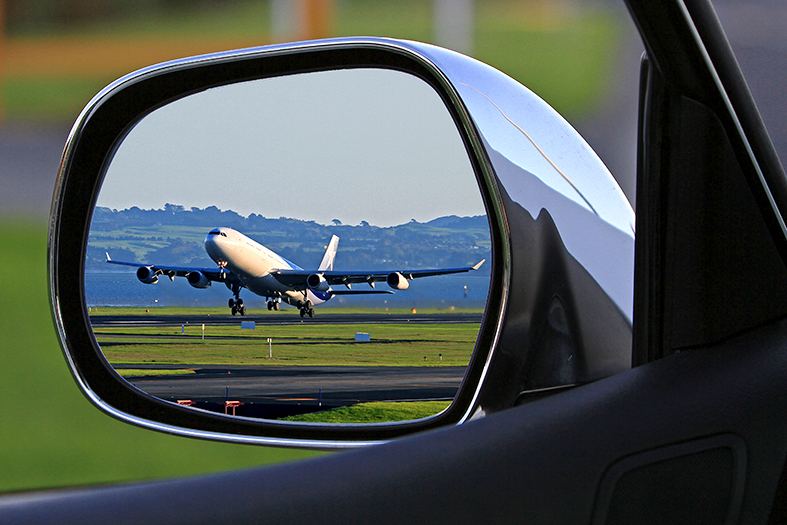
(477, 222)
(174, 235)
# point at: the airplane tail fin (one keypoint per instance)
(330, 254)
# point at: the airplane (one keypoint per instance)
(245, 263)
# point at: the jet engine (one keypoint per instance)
(198, 280)
(397, 281)
(147, 275)
(317, 283)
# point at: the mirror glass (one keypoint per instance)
(307, 247)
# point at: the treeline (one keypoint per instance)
(174, 235)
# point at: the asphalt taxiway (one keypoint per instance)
(272, 391)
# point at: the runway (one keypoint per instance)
(152, 319)
(274, 391)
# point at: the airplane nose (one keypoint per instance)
(213, 247)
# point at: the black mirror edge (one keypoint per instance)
(93, 139)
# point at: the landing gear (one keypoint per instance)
(239, 310)
(236, 303)
(273, 305)
(306, 309)
(236, 306)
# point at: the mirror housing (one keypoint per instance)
(562, 234)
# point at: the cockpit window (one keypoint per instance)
(217, 232)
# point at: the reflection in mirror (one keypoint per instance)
(325, 236)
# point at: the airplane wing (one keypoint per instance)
(212, 274)
(360, 292)
(297, 278)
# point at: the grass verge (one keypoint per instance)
(377, 412)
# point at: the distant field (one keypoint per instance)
(307, 344)
(564, 55)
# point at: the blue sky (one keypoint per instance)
(360, 144)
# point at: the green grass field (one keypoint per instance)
(50, 435)
(309, 344)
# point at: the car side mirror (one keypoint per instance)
(556, 289)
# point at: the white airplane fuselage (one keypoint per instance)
(252, 263)
(245, 263)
